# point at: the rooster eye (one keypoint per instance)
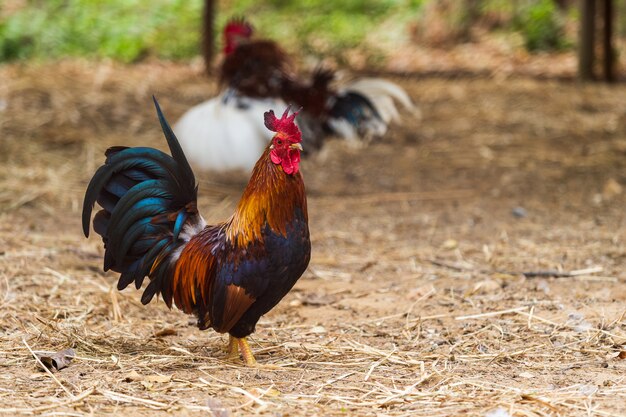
(279, 142)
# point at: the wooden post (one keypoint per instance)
(208, 35)
(471, 12)
(607, 44)
(586, 55)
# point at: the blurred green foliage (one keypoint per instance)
(542, 26)
(321, 27)
(124, 30)
(128, 30)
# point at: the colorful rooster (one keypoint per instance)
(228, 274)
(224, 132)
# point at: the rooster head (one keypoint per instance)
(285, 147)
(236, 31)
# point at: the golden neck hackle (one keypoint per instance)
(271, 198)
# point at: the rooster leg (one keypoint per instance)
(236, 346)
(246, 352)
(233, 348)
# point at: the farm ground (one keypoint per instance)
(415, 301)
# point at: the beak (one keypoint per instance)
(296, 146)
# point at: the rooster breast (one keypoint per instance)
(266, 270)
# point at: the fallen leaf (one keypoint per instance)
(166, 332)
(58, 360)
(622, 354)
(159, 378)
(132, 376)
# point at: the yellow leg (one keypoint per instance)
(246, 352)
(236, 346)
(233, 348)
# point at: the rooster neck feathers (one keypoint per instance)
(272, 198)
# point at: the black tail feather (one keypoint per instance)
(177, 152)
(143, 192)
(356, 109)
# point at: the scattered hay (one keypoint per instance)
(416, 301)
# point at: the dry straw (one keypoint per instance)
(416, 301)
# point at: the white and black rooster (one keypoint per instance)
(227, 132)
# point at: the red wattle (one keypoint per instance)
(289, 162)
(274, 157)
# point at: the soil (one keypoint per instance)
(471, 263)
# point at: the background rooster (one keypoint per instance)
(228, 274)
(224, 133)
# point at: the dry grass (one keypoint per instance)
(415, 302)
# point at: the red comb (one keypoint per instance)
(239, 26)
(284, 125)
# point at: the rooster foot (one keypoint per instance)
(236, 345)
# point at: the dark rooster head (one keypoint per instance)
(237, 31)
(285, 147)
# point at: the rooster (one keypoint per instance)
(228, 274)
(224, 132)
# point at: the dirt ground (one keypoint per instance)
(434, 285)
